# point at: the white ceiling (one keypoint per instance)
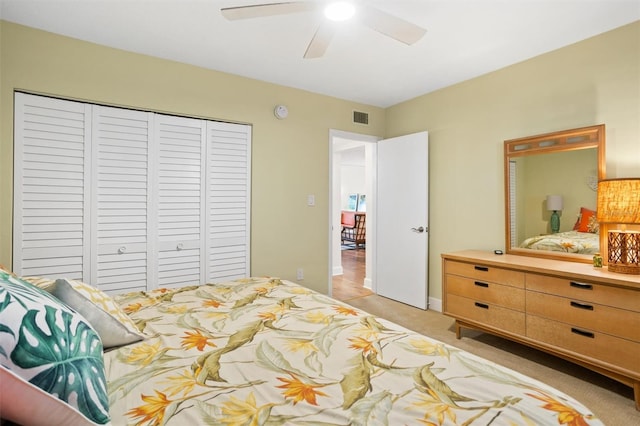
(464, 39)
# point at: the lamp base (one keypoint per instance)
(555, 222)
(624, 252)
(624, 269)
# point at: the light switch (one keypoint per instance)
(311, 200)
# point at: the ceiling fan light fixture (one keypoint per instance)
(339, 11)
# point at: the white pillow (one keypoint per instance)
(112, 324)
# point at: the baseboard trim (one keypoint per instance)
(337, 270)
(435, 304)
(367, 283)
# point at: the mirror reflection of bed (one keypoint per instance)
(554, 175)
(564, 242)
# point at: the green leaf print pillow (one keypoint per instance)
(46, 344)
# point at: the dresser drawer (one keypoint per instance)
(485, 313)
(485, 291)
(599, 346)
(582, 290)
(486, 273)
(591, 316)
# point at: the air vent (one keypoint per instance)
(360, 117)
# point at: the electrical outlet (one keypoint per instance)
(300, 274)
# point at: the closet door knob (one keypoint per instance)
(122, 250)
(180, 246)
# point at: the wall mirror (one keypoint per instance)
(551, 191)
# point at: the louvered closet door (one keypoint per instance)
(229, 182)
(128, 200)
(181, 203)
(121, 199)
(50, 198)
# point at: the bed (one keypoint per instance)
(254, 351)
(566, 242)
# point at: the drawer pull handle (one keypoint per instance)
(582, 306)
(481, 284)
(481, 268)
(481, 305)
(581, 286)
(582, 332)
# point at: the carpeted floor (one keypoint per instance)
(611, 401)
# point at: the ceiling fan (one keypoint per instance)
(389, 25)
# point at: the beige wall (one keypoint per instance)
(592, 82)
(290, 157)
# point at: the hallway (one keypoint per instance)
(349, 285)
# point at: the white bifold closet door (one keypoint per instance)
(181, 203)
(129, 200)
(228, 197)
(51, 225)
(120, 189)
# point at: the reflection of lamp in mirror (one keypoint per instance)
(554, 203)
(619, 203)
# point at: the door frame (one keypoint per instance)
(334, 137)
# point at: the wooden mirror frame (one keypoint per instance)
(562, 141)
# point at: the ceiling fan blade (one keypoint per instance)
(390, 25)
(267, 9)
(320, 41)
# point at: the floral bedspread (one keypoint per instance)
(567, 242)
(262, 351)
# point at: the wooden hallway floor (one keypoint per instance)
(350, 284)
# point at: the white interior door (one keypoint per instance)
(402, 219)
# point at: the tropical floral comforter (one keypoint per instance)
(567, 242)
(262, 351)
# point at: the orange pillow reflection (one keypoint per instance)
(582, 224)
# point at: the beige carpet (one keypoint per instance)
(611, 401)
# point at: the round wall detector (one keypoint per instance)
(281, 112)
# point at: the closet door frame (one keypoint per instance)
(240, 134)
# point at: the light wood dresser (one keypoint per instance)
(586, 315)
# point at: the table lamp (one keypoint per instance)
(619, 203)
(554, 203)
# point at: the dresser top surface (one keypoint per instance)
(573, 270)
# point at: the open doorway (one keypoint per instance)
(395, 218)
(352, 214)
